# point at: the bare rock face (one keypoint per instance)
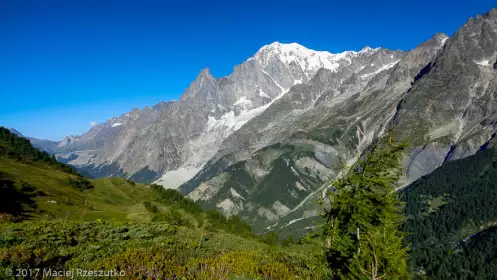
(439, 96)
(453, 106)
(171, 141)
(290, 151)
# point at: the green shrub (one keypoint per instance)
(288, 241)
(16, 197)
(153, 250)
(173, 197)
(150, 207)
(80, 183)
(270, 238)
(20, 148)
(172, 217)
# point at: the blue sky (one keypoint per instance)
(67, 63)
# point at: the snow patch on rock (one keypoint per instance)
(484, 62)
(243, 101)
(381, 69)
(263, 94)
(234, 193)
(172, 179)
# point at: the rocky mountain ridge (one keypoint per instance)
(440, 96)
(171, 141)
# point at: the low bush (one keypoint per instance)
(153, 250)
(80, 183)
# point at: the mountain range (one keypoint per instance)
(264, 141)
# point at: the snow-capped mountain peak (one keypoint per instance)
(210, 110)
(368, 50)
(310, 61)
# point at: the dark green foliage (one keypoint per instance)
(80, 183)
(361, 229)
(280, 160)
(217, 221)
(456, 201)
(15, 197)
(310, 237)
(233, 224)
(150, 207)
(238, 179)
(282, 176)
(473, 258)
(173, 197)
(172, 217)
(131, 182)
(270, 238)
(288, 241)
(20, 148)
(477, 258)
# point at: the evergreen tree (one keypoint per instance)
(19, 148)
(270, 238)
(288, 241)
(361, 230)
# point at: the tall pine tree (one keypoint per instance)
(361, 230)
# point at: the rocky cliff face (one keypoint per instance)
(276, 164)
(171, 141)
(451, 111)
(440, 96)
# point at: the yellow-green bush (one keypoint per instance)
(153, 250)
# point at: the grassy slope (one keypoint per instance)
(111, 198)
(116, 233)
(108, 227)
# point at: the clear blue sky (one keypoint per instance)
(67, 63)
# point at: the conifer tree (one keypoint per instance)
(361, 230)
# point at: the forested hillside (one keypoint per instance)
(20, 148)
(452, 214)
